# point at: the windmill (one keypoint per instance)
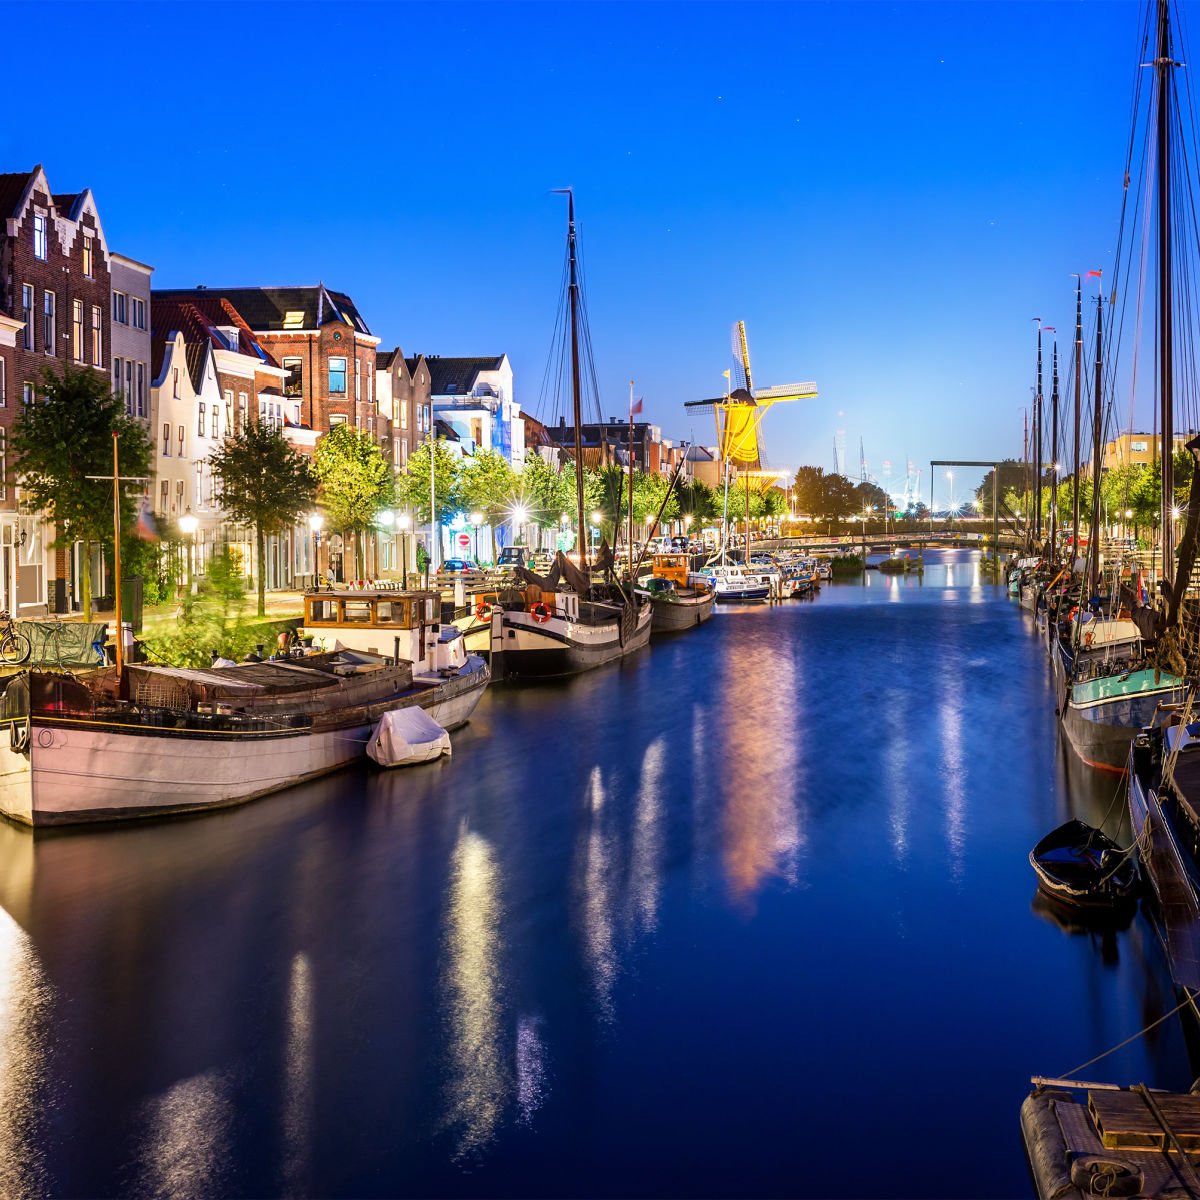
(738, 415)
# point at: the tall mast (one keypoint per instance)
(1025, 463)
(1037, 446)
(1078, 410)
(1054, 453)
(1097, 450)
(1163, 66)
(576, 386)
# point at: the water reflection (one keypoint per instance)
(531, 1068)
(24, 1015)
(185, 1150)
(645, 865)
(478, 1081)
(298, 1081)
(954, 798)
(597, 906)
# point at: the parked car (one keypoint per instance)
(512, 556)
(457, 566)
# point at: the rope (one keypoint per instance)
(1133, 1037)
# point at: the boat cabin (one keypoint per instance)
(402, 625)
(675, 567)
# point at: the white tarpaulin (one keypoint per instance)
(407, 735)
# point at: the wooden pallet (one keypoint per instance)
(1124, 1121)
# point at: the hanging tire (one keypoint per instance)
(15, 648)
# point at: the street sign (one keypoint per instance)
(464, 540)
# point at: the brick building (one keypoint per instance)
(402, 391)
(55, 280)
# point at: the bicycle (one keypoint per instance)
(15, 647)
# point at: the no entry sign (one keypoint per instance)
(464, 539)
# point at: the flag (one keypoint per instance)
(725, 373)
(635, 407)
(1093, 275)
(1049, 329)
(145, 528)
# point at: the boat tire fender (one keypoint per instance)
(540, 613)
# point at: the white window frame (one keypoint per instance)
(41, 238)
(49, 321)
(97, 336)
(27, 298)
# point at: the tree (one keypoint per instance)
(698, 501)
(356, 483)
(487, 485)
(546, 491)
(262, 482)
(871, 496)
(59, 442)
(412, 489)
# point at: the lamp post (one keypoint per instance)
(187, 526)
(595, 527)
(316, 522)
(404, 524)
(476, 520)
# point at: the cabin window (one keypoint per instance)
(429, 609)
(358, 611)
(323, 611)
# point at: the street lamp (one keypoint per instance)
(316, 522)
(596, 525)
(187, 526)
(476, 520)
(404, 524)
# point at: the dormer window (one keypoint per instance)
(229, 334)
(39, 238)
(451, 388)
(293, 320)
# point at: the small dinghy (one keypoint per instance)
(1081, 865)
(405, 736)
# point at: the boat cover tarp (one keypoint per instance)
(562, 568)
(407, 735)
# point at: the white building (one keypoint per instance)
(474, 396)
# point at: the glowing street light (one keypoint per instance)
(316, 522)
(188, 526)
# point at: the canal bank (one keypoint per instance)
(749, 913)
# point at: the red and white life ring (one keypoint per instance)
(483, 610)
(541, 613)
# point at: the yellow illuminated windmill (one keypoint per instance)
(738, 415)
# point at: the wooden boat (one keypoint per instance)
(188, 739)
(1079, 864)
(1096, 1139)
(675, 604)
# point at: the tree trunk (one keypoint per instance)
(87, 583)
(262, 570)
(359, 557)
(492, 530)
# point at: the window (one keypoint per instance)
(403, 414)
(370, 385)
(3, 384)
(117, 376)
(39, 238)
(77, 330)
(27, 394)
(337, 376)
(97, 338)
(27, 315)
(337, 419)
(293, 385)
(182, 435)
(200, 420)
(141, 388)
(216, 420)
(241, 408)
(179, 493)
(48, 322)
(293, 319)
(229, 411)
(164, 493)
(129, 379)
(175, 382)
(166, 452)
(1141, 447)
(198, 497)
(87, 256)
(357, 382)
(3, 465)
(403, 453)
(120, 308)
(139, 313)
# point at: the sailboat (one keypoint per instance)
(1113, 677)
(563, 623)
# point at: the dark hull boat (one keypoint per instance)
(1081, 865)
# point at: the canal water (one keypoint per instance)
(749, 915)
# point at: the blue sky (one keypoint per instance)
(885, 193)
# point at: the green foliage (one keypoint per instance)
(546, 491)
(824, 497)
(263, 483)
(698, 501)
(58, 442)
(845, 565)
(412, 488)
(356, 483)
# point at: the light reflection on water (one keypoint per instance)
(636, 933)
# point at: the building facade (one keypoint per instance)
(475, 397)
(130, 323)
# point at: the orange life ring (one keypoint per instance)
(541, 613)
(483, 610)
(1087, 637)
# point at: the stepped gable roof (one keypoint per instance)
(457, 376)
(12, 190)
(266, 309)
